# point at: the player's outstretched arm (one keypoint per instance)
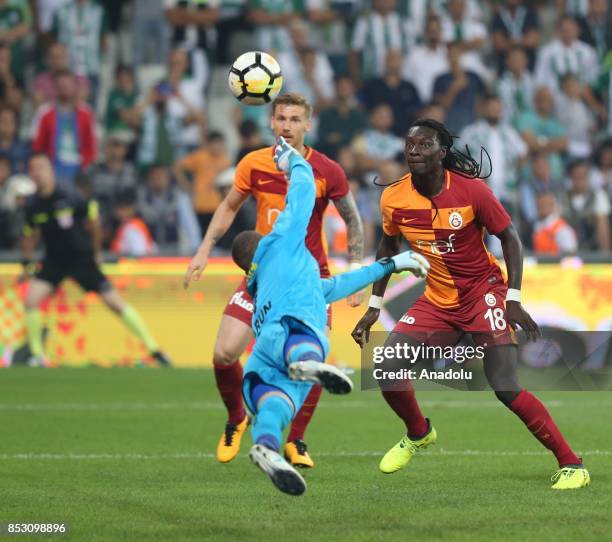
(221, 221)
(513, 256)
(345, 284)
(389, 246)
(292, 223)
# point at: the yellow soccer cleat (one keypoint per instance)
(229, 444)
(571, 477)
(296, 452)
(401, 454)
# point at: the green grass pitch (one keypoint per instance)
(128, 454)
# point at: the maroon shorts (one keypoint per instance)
(484, 318)
(240, 305)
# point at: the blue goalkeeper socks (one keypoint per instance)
(302, 347)
(273, 415)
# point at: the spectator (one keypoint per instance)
(390, 89)
(576, 117)
(246, 216)
(602, 175)
(121, 111)
(333, 20)
(11, 90)
(65, 131)
(113, 176)
(543, 132)
(168, 212)
(587, 209)
(161, 131)
(17, 152)
(81, 25)
(458, 91)
(150, 39)
(414, 14)
(232, 21)
(539, 180)
(574, 8)
(375, 33)
(516, 86)
(433, 111)
(14, 191)
(132, 237)
(184, 100)
(424, 63)
(596, 27)
(552, 235)
(271, 19)
(305, 69)
(505, 147)
(603, 90)
(379, 152)
(193, 30)
(343, 121)
(515, 24)
(566, 54)
(204, 164)
(460, 28)
(13, 29)
(250, 139)
(44, 89)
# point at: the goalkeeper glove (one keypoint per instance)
(283, 154)
(411, 261)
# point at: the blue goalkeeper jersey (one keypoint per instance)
(284, 279)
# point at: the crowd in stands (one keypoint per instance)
(529, 81)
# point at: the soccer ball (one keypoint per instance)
(255, 78)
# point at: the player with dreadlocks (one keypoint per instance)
(442, 209)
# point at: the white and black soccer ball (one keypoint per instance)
(255, 78)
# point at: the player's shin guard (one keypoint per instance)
(403, 402)
(34, 327)
(301, 347)
(229, 384)
(538, 420)
(134, 322)
(273, 415)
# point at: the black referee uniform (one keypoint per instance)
(61, 218)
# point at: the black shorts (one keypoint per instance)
(84, 271)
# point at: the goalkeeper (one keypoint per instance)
(290, 316)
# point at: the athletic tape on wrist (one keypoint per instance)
(375, 302)
(513, 295)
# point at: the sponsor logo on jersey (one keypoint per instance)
(490, 299)
(455, 220)
(64, 218)
(261, 317)
(238, 299)
(439, 246)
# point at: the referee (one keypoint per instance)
(70, 229)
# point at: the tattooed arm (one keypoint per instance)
(347, 208)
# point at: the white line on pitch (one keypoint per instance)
(218, 405)
(196, 455)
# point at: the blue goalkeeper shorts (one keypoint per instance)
(267, 363)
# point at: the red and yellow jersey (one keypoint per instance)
(451, 238)
(256, 174)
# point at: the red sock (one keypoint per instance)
(303, 417)
(405, 405)
(537, 419)
(229, 384)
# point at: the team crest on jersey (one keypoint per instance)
(490, 299)
(65, 220)
(455, 220)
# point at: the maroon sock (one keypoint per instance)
(229, 384)
(303, 417)
(537, 419)
(405, 405)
